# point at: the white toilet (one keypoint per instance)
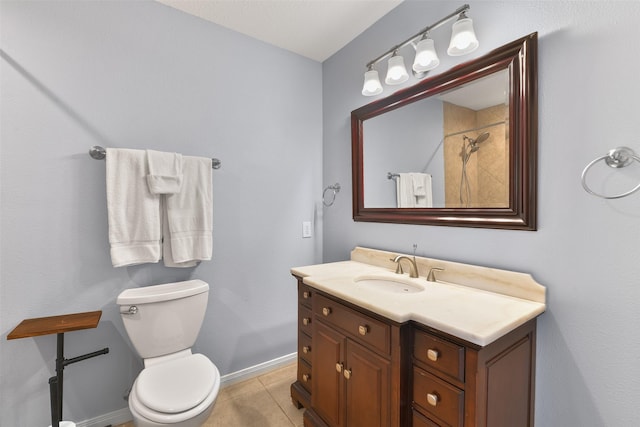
(176, 387)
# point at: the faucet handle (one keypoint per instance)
(431, 277)
(399, 269)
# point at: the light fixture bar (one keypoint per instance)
(389, 52)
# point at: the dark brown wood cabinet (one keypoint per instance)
(358, 369)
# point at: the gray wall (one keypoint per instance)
(586, 250)
(142, 75)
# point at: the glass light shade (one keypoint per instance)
(463, 38)
(396, 73)
(372, 85)
(426, 56)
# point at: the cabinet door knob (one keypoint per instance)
(306, 377)
(347, 373)
(339, 367)
(306, 294)
(363, 329)
(306, 321)
(433, 355)
(326, 311)
(432, 399)
(306, 349)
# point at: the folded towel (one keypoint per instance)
(422, 190)
(190, 215)
(413, 190)
(133, 212)
(165, 172)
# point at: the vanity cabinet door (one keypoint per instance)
(327, 395)
(367, 387)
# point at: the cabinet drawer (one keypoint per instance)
(304, 319)
(304, 374)
(305, 294)
(304, 347)
(367, 329)
(437, 353)
(438, 397)
(420, 421)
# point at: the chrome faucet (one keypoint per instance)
(413, 271)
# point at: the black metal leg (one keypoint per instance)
(55, 383)
(53, 393)
(59, 374)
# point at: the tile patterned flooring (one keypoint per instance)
(263, 401)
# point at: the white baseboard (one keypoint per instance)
(123, 415)
(256, 370)
(114, 418)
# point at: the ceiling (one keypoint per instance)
(315, 29)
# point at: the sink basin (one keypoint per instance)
(389, 284)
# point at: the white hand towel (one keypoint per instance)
(413, 190)
(422, 190)
(133, 212)
(165, 172)
(190, 213)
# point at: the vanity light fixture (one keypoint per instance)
(463, 41)
(396, 71)
(372, 85)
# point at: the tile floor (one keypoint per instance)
(264, 401)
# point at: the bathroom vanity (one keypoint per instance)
(381, 349)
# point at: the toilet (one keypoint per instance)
(176, 387)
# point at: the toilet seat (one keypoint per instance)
(176, 390)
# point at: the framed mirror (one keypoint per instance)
(456, 149)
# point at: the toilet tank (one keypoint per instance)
(164, 319)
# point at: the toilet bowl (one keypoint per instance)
(176, 387)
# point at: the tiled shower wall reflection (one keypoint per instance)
(487, 168)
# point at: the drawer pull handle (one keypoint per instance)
(363, 330)
(306, 377)
(306, 321)
(306, 294)
(306, 349)
(432, 399)
(339, 367)
(347, 373)
(326, 311)
(433, 355)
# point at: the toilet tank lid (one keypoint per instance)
(164, 292)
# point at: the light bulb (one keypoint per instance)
(426, 57)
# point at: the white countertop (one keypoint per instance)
(475, 315)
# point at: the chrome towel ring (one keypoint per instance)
(616, 158)
(336, 189)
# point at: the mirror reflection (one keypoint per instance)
(445, 151)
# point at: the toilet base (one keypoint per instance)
(198, 421)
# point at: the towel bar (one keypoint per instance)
(99, 153)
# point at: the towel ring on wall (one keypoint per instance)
(336, 189)
(616, 158)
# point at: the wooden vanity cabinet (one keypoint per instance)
(301, 389)
(358, 369)
(459, 384)
(356, 365)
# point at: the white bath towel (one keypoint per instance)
(133, 212)
(413, 190)
(190, 214)
(165, 172)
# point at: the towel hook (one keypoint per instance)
(336, 189)
(616, 158)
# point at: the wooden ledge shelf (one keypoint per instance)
(55, 324)
(59, 325)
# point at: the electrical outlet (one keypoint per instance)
(306, 229)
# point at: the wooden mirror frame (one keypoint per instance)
(520, 58)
